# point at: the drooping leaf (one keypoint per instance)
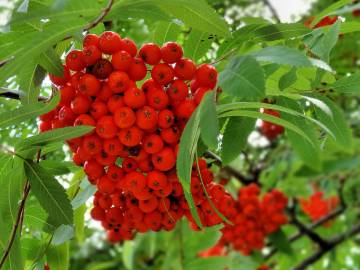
(332, 117)
(56, 135)
(62, 234)
(308, 152)
(30, 79)
(239, 128)
(209, 123)
(49, 193)
(244, 78)
(58, 167)
(27, 112)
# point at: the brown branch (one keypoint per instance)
(16, 95)
(337, 240)
(19, 218)
(16, 224)
(272, 10)
(230, 170)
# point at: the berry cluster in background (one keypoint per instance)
(316, 206)
(131, 154)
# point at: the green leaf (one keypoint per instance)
(185, 159)
(37, 43)
(138, 9)
(58, 167)
(333, 118)
(349, 85)
(239, 128)
(56, 135)
(308, 152)
(352, 192)
(51, 62)
(50, 193)
(280, 241)
(197, 44)
(82, 197)
(269, 118)
(210, 263)
(79, 222)
(282, 55)
(12, 182)
(62, 234)
(321, 43)
(288, 79)
(209, 123)
(243, 77)
(263, 32)
(58, 257)
(30, 79)
(196, 14)
(128, 254)
(26, 112)
(329, 10)
(166, 31)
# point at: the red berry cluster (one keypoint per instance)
(255, 219)
(316, 206)
(131, 154)
(271, 130)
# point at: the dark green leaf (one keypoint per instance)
(58, 167)
(243, 77)
(280, 241)
(30, 79)
(26, 112)
(50, 193)
(239, 128)
(209, 123)
(288, 79)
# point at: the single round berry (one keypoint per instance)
(106, 127)
(137, 70)
(124, 117)
(109, 42)
(91, 40)
(89, 85)
(102, 69)
(119, 81)
(206, 75)
(185, 69)
(121, 61)
(91, 55)
(75, 60)
(162, 74)
(146, 118)
(171, 52)
(150, 53)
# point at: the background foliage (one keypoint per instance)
(312, 76)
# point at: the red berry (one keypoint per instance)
(91, 40)
(137, 70)
(153, 143)
(61, 80)
(178, 90)
(91, 55)
(106, 127)
(92, 144)
(166, 118)
(121, 61)
(158, 99)
(129, 46)
(109, 42)
(102, 69)
(98, 109)
(150, 53)
(164, 160)
(124, 117)
(171, 52)
(185, 69)
(119, 81)
(162, 74)
(131, 136)
(81, 104)
(156, 180)
(75, 60)
(206, 75)
(89, 85)
(134, 98)
(146, 118)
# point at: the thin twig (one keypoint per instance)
(223, 57)
(337, 240)
(272, 10)
(230, 170)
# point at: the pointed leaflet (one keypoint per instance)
(197, 44)
(209, 123)
(244, 78)
(349, 85)
(281, 242)
(323, 40)
(26, 112)
(50, 194)
(51, 62)
(11, 181)
(308, 152)
(288, 79)
(185, 159)
(333, 118)
(56, 135)
(237, 131)
(30, 78)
